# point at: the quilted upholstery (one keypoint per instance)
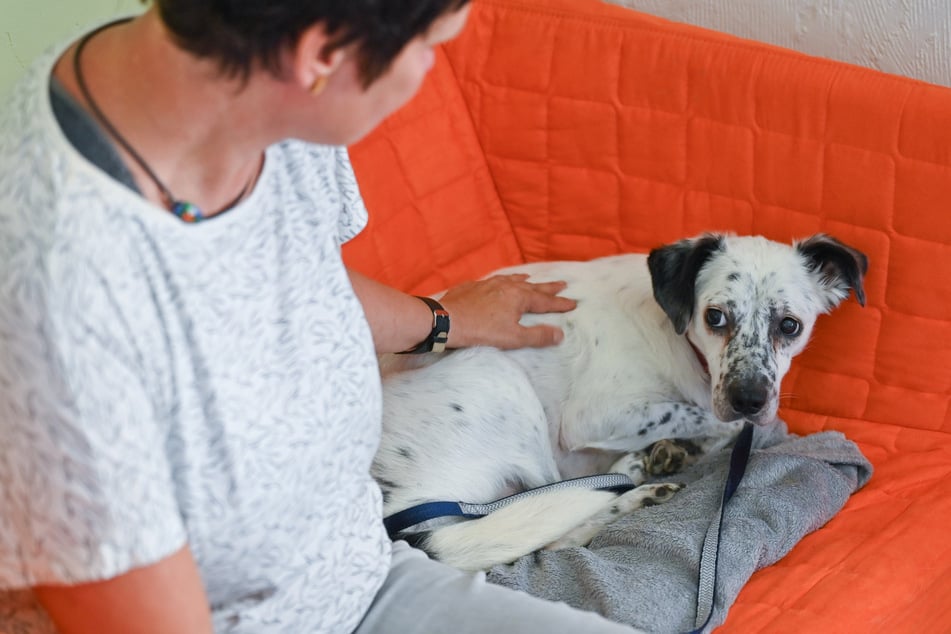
(572, 129)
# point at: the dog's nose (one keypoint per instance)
(749, 399)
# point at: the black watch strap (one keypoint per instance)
(439, 335)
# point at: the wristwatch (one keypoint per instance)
(439, 335)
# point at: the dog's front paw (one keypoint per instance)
(666, 457)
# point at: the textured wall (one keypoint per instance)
(907, 37)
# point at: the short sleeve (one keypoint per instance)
(353, 215)
(86, 491)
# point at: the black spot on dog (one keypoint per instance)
(420, 541)
(748, 340)
(666, 417)
(642, 432)
(661, 495)
(407, 453)
(734, 276)
(387, 484)
(689, 446)
(456, 406)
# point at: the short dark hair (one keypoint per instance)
(238, 34)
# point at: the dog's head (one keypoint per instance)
(748, 305)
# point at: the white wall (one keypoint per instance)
(906, 37)
(27, 27)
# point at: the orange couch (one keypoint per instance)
(567, 129)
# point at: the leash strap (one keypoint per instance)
(414, 515)
(710, 554)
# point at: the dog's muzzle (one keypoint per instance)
(748, 398)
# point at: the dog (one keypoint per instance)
(664, 359)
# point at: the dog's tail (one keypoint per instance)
(520, 528)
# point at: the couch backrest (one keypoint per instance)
(573, 129)
(435, 217)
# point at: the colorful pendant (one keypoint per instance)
(187, 211)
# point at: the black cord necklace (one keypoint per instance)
(189, 212)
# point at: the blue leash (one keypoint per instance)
(709, 555)
(397, 522)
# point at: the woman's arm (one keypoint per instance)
(165, 597)
(485, 312)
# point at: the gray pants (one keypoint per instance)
(422, 596)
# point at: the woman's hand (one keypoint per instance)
(481, 313)
(487, 312)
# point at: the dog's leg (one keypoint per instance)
(642, 496)
(671, 455)
(637, 426)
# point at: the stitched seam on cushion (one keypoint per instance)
(725, 40)
(484, 155)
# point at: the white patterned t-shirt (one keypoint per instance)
(162, 383)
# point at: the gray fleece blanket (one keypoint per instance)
(642, 570)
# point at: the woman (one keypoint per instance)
(189, 396)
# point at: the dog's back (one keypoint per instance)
(619, 348)
(616, 331)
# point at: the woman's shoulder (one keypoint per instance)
(323, 175)
(25, 110)
(36, 161)
(310, 158)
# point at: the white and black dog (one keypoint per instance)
(687, 343)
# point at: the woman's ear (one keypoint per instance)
(312, 62)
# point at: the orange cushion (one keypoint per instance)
(435, 217)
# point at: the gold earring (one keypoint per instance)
(319, 84)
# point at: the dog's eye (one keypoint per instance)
(715, 318)
(790, 327)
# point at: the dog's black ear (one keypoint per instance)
(674, 270)
(839, 267)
